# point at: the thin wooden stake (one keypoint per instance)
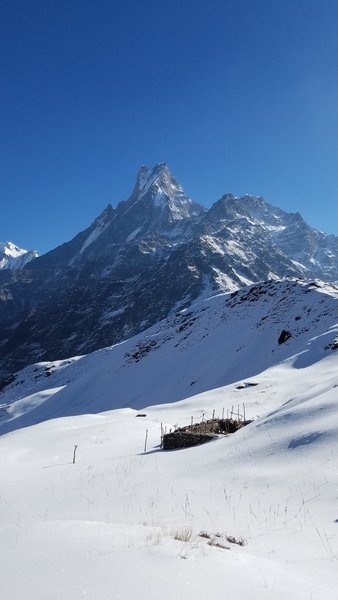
(213, 415)
(244, 412)
(74, 453)
(145, 441)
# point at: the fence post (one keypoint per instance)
(74, 453)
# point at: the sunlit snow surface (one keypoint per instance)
(105, 526)
(13, 257)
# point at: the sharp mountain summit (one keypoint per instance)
(147, 258)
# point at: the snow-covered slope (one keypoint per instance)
(216, 342)
(122, 523)
(13, 257)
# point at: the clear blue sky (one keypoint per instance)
(235, 95)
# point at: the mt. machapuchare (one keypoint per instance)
(151, 256)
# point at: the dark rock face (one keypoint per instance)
(152, 255)
(284, 336)
(184, 439)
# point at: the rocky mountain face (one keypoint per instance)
(148, 257)
(13, 257)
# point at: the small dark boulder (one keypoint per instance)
(284, 336)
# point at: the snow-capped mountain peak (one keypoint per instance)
(14, 257)
(151, 255)
(157, 188)
(146, 177)
(11, 249)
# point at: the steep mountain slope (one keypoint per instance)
(216, 342)
(250, 515)
(137, 263)
(13, 257)
(311, 250)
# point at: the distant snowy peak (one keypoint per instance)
(13, 257)
(253, 207)
(158, 188)
(159, 177)
(158, 207)
(259, 211)
(313, 253)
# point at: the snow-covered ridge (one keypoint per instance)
(13, 257)
(216, 342)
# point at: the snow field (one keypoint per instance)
(106, 525)
(121, 523)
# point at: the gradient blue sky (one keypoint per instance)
(235, 95)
